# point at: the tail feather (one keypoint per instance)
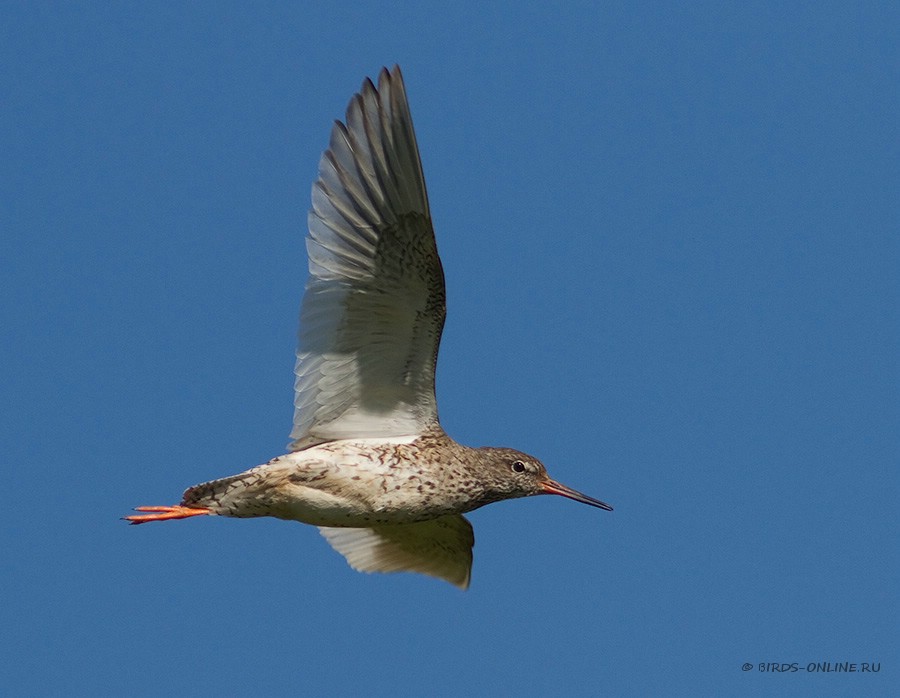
(214, 495)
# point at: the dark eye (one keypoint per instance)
(518, 466)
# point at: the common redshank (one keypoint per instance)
(369, 463)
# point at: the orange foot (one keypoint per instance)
(165, 513)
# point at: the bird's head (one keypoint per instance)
(516, 474)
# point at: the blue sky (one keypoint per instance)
(670, 240)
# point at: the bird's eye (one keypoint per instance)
(518, 466)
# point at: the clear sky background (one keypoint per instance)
(670, 236)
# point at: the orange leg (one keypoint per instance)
(166, 513)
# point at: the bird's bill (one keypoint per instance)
(554, 487)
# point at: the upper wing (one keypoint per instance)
(441, 548)
(374, 306)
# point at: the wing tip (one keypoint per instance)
(440, 548)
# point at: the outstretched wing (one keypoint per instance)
(374, 305)
(440, 548)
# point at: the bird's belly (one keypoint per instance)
(351, 508)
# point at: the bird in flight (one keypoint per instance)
(369, 463)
